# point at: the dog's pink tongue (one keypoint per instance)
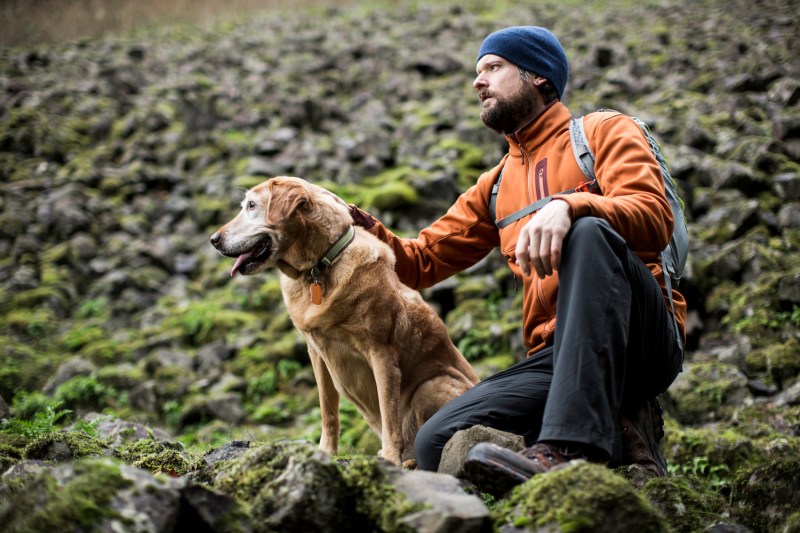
(239, 260)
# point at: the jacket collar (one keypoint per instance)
(529, 137)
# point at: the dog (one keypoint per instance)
(370, 338)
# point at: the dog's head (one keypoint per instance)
(283, 219)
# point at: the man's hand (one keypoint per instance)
(539, 243)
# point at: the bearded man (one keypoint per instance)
(602, 342)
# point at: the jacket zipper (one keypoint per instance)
(526, 162)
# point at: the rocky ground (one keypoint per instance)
(120, 156)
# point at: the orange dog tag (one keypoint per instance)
(316, 293)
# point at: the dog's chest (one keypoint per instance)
(348, 366)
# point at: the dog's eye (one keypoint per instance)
(251, 204)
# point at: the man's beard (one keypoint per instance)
(507, 114)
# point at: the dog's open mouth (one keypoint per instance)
(257, 255)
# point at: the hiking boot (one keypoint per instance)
(497, 470)
(642, 430)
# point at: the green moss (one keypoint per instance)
(9, 455)
(467, 160)
(688, 507)
(391, 196)
(715, 454)
(266, 478)
(81, 335)
(85, 392)
(709, 391)
(766, 496)
(202, 321)
(579, 497)
(79, 445)
(779, 360)
(34, 297)
(376, 501)
(36, 323)
(24, 366)
(82, 501)
(157, 457)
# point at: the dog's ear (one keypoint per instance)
(285, 198)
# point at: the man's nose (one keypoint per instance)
(479, 83)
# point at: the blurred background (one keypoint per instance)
(49, 21)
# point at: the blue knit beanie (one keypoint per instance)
(534, 49)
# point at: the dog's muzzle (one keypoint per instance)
(245, 260)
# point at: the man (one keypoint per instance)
(601, 338)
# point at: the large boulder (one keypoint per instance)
(578, 496)
(105, 495)
(288, 486)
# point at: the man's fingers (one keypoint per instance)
(522, 254)
(546, 267)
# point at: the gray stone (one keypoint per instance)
(117, 432)
(26, 469)
(456, 449)
(448, 507)
(69, 369)
(787, 186)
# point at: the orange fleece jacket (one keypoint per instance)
(540, 162)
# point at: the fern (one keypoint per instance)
(43, 422)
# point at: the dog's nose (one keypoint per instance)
(215, 238)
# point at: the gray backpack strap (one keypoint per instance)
(580, 147)
(493, 197)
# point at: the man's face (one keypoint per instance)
(507, 102)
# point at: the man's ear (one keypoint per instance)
(285, 198)
(538, 81)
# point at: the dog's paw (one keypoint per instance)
(409, 464)
(389, 456)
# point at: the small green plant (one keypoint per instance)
(717, 475)
(31, 425)
(85, 391)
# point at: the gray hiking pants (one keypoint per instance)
(615, 346)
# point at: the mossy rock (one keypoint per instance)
(706, 392)
(80, 502)
(60, 447)
(578, 497)
(779, 361)
(714, 453)
(281, 481)
(687, 506)
(768, 496)
(378, 505)
(9, 455)
(157, 457)
(106, 495)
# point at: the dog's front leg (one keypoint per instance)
(387, 379)
(328, 403)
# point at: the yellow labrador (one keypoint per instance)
(369, 337)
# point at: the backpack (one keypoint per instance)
(673, 257)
